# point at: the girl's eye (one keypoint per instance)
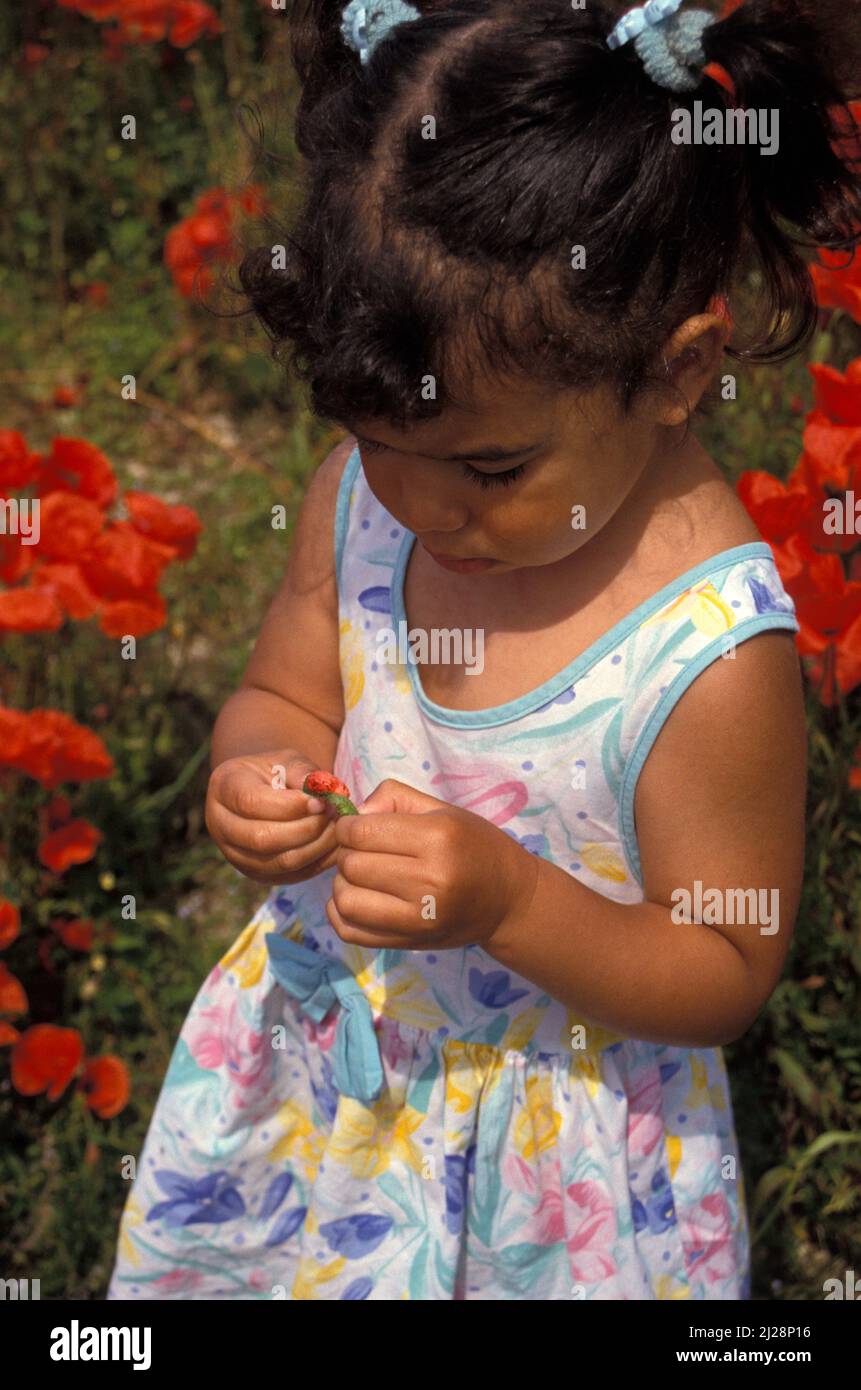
(493, 479)
(369, 446)
(509, 475)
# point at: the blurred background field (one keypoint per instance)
(88, 299)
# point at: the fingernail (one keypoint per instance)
(315, 806)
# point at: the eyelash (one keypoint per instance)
(484, 480)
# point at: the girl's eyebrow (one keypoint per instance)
(492, 454)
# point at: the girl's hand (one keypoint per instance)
(263, 822)
(415, 873)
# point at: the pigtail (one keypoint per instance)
(802, 61)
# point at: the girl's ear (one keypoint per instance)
(691, 357)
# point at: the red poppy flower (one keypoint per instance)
(74, 465)
(191, 20)
(121, 563)
(95, 293)
(177, 527)
(75, 843)
(13, 999)
(65, 397)
(16, 559)
(58, 810)
(69, 588)
(10, 923)
(18, 466)
(134, 617)
(777, 511)
(78, 935)
(106, 1086)
(838, 394)
(94, 9)
(45, 1058)
(26, 610)
(68, 525)
(8, 1033)
(52, 747)
(837, 281)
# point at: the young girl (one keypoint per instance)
(469, 1046)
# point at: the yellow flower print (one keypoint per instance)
(132, 1216)
(368, 1138)
(521, 1028)
(587, 1066)
(590, 1038)
(701, 1093)
(703, 605)
(400, 994)
(536, 1128)
(311, 1274)
(352, 664)
(603, 862)
(300, 1138)
(668, 1287)
(674, 1152)
(243, 942)
(472, 1070)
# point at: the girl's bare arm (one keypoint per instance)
(290, 696)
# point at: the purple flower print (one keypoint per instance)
(658, 1212)
(533, 844)
(191, 1201)
(274, 1196)
(286, 1225)
(359, 1289)
(355, 1236)
(492, 988)
(458, 1170)
(764, 599)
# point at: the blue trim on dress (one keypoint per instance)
(342, 509)
(749, 627)
(544, 694)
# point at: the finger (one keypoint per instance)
(264, 840)
(257, 799)
(387, 834)
(356, 936)
(277, 868)
(398, 798)
(372, 911)
(387, 873)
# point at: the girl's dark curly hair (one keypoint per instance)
(452, 256)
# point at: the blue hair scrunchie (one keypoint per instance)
(668, 44)
(363, 26)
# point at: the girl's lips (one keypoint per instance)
(447, 562)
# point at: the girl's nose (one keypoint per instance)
(426, 507)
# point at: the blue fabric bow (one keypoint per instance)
(668, 44)
(317, 984)
(362, 26)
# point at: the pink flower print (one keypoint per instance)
(645, 1117)
(519, 1174)
(218, 1038)
(706, 1233)
(179, 1280)
(513, 796)
(592, 1218)
(546, 1224)
(259, 1280)
(394, 1047)
(321, 1034)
